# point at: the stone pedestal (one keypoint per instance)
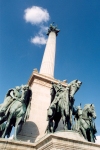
(65, 140)
(36, 125)
(58, 141)
(68, 140)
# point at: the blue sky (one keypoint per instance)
(23, 38)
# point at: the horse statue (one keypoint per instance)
(62, 105)
(17, 110)
(84, 122)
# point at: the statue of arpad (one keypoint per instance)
(62, 105)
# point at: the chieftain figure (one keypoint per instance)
(57, 89)
(11, 96)
(84, 122)
(15, 109)
(61, 105)
(55, 92)
(73, 88)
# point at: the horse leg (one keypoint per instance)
(67, 119)
(92, 136)
(64, 119)
(68, 125)
(51, 126)
(16, 127)
(9, 131)
(7, 125)
(56, 124)
(47, 128)
(83, 132)
(70, 118)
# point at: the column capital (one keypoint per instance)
(53, 28)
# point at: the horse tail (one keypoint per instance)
(27, 112)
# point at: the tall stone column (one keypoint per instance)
(48, 62)
(40, 84)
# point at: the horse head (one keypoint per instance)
(74, 87)
(89, 111)
(92, 111)
(26, 93)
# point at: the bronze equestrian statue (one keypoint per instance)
(61, 106)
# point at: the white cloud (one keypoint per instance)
(43, 29)
(39, 40)
(36, 15)
(98, 139)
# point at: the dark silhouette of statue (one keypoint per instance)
(15, 109)
(11, 96)
(84, 122)
(62, 105)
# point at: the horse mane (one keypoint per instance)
(87, 106)
(72, 82)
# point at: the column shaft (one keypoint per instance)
(48, 61)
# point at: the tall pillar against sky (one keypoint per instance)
(48, 61)
(40, 83)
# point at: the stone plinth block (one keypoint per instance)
(68, 140)
(35, 126)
